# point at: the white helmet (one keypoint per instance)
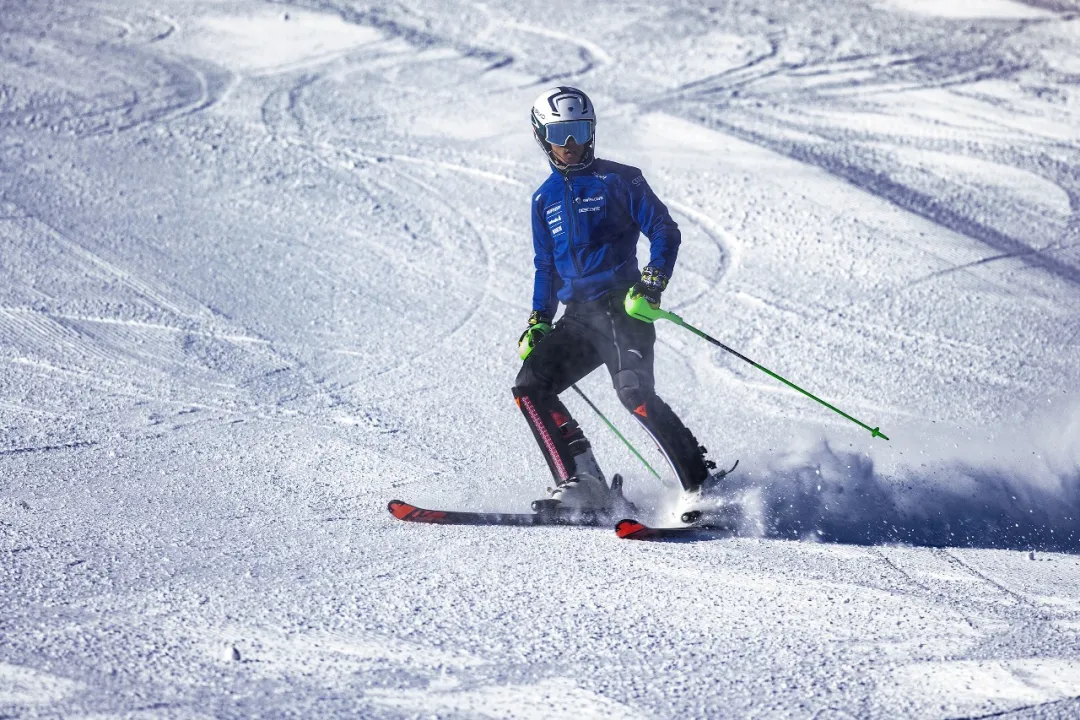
(559, 114)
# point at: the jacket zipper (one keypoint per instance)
(571, 218)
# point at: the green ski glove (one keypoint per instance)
(539, 327)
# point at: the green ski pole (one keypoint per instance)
(639, 308)
(615, 430)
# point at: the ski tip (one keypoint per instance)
(630, 529)
(411, 513)
(400, 510)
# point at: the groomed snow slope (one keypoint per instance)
(263, 267)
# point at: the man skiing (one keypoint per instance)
(586, 220)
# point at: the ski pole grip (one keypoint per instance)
(640, 309)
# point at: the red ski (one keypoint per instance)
(630, 529)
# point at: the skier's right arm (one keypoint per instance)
(546, 281)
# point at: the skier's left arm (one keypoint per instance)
(656, 223)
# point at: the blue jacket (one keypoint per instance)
(585, 232)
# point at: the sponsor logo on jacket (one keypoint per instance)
(589, 204)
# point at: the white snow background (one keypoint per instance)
(263, 267)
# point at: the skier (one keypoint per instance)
(586, 220)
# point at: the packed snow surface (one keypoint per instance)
(263, 266)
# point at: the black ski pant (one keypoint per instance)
(589, 335)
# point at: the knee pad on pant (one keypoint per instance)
(631, 390)
(526, 379)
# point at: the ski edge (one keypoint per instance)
(411, 513)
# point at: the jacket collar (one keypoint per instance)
(587, 170)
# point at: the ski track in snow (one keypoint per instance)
(257, 277)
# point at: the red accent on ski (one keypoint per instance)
(411, 513)
(640, 410)
(400, 510)
(632, 530)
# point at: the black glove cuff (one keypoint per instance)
(538, 317)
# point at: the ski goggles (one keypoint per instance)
(559, 133)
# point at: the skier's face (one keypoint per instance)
(570, 153)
